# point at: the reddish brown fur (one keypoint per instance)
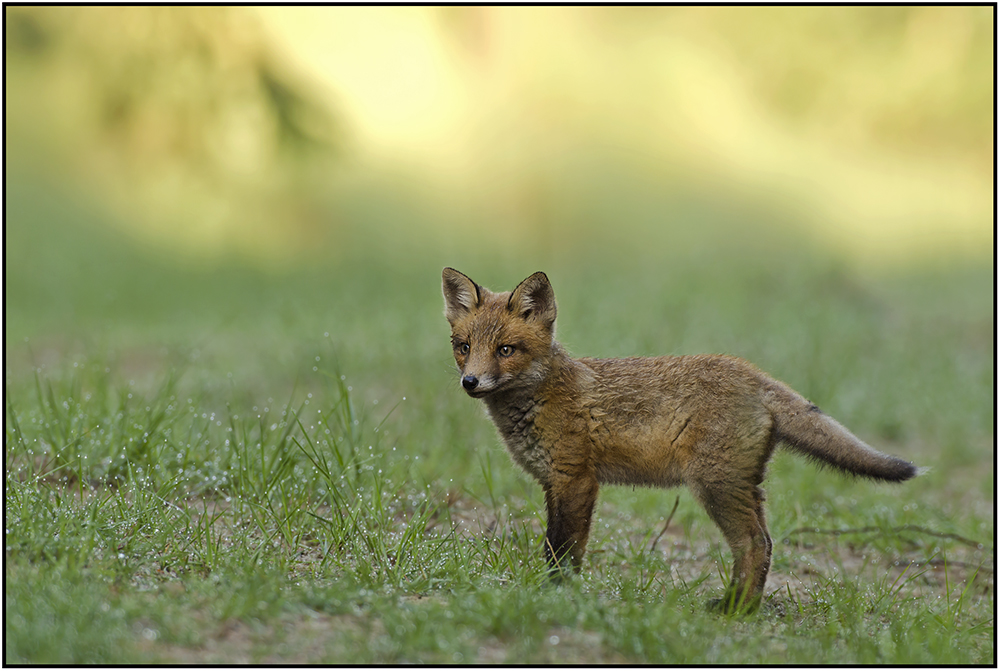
(708, 422)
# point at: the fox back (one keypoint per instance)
(708, 422)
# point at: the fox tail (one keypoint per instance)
(806, 429)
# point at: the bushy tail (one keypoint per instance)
(806, 429)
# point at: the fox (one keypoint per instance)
(708, 422)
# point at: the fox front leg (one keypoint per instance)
(569, 503)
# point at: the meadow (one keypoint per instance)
(211, 463)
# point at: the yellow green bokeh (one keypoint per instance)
(222, 130)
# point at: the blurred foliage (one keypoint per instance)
(911, 78)
(917, 79)
(183, 116)
(207, 132)
(872, 127)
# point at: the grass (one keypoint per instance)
(229, 466)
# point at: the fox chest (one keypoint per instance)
(517, 426)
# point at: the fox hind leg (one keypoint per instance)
(739, 512)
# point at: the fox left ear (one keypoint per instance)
(461, 294)
(534, 299)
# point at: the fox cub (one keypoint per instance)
(708, 422)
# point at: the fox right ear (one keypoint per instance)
(461, 294)
(534, 299)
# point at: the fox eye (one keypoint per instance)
(506, 350)
(463, 348)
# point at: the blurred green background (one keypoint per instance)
(245, 183)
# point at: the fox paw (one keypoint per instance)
(730, 605)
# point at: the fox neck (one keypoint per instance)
(514, 411)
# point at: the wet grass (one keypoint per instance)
(230, 466)
(180, 521)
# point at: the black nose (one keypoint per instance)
(470, 382)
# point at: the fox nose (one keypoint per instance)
(469, 382)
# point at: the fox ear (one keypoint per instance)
(461, 294)
(534, 299)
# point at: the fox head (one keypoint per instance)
(501, 341)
